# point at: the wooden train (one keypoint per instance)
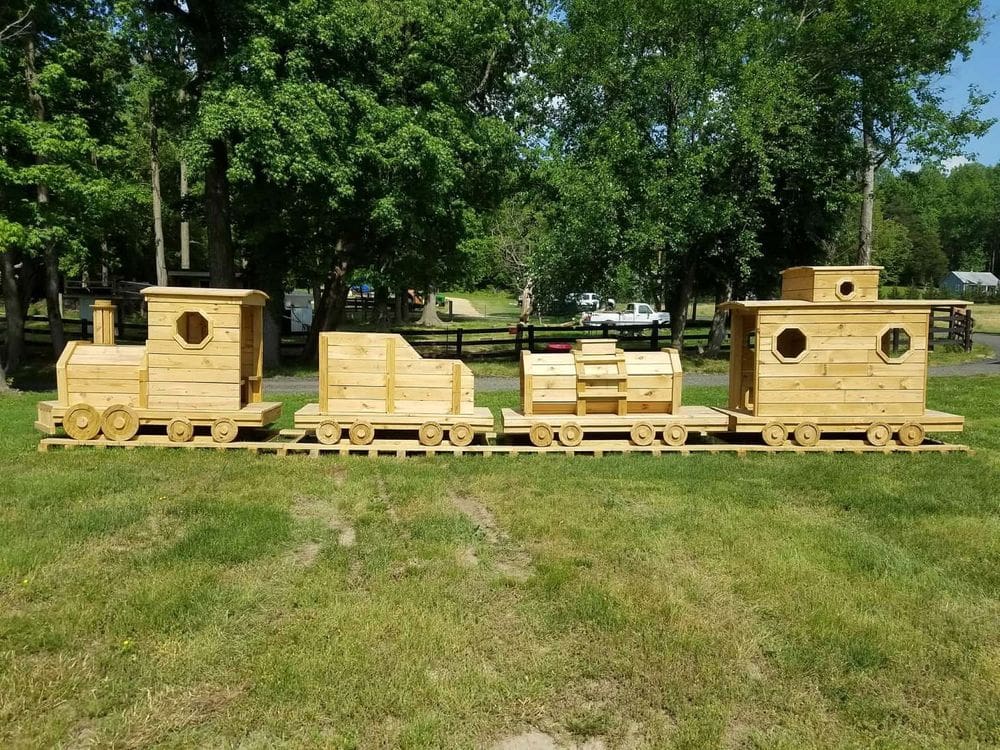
(828, 361)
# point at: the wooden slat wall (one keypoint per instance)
(553, 382)
(821, 285)
(204, 379)
(382, 373)
(101, 375)
(842, 373)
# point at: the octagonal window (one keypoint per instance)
(894, 344)
(193, 329)
(790, 345)
(846, 289)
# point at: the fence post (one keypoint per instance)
(969, 323)
(83, 330)
(458, 341)
(531, 338)
(604, 330)
(518, 341)
(654, 337)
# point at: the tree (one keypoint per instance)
(58, 114)
(881, 59)
(675, 125)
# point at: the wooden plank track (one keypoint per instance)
(289, 442)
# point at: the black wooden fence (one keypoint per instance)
(949, 325)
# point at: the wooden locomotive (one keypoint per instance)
(830, 357)
(370, 383)
(202, 366)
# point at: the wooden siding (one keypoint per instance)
(380, 373)
(841, 372)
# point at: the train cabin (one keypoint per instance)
(202, 366)
(374, 382)
(831, 357)
(599, 389)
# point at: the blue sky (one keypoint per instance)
(982, 69)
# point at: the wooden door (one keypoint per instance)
(743, 361)
(251, 354)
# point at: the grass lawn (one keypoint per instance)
(987, 318)
(184, 599)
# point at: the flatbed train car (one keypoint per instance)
(827, 361)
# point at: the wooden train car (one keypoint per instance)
(598, 389)
(201, 366)
(830, 357)
(371, 383)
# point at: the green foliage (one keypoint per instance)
(59, 114)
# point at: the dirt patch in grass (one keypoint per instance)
(542, 741)
(306, 555)
(511, 560)
(315, 509)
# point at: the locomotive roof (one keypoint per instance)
(753, 304)
(239, 296)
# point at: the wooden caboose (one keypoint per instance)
(202, 366)
(831, 357)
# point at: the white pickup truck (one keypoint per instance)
(635, 314)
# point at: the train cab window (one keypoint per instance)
(790, 345)
(894, 344)
(193, 329)
(751, 341)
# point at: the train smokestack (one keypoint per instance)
(104, 322)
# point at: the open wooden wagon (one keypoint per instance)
(374, 383)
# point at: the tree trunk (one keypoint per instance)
(52, 299)
(221, 263)
(679, 301)
(154, 170)
(527, 301)
(867, 197)
(429, 315)
(185, 227)
(14, 312)
(399, 308)
(380, 310)
(329, 312)
(717, 333)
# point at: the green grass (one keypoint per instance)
(181, 599)
(949, 355)
(987, 318)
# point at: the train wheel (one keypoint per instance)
(878, 434)
(540, 434)
(911, 434)
(361, 432)
(430, 433)
(224, 430)
(81, 422)
(807, 433)
(642, 433)
(461, 434)
(675, 434)
(774, 434)
(180, 430)
(570, 434)
(119, 423)
(328, 432)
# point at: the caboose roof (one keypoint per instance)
(800, 304)
(832, 268)
(236, 296)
